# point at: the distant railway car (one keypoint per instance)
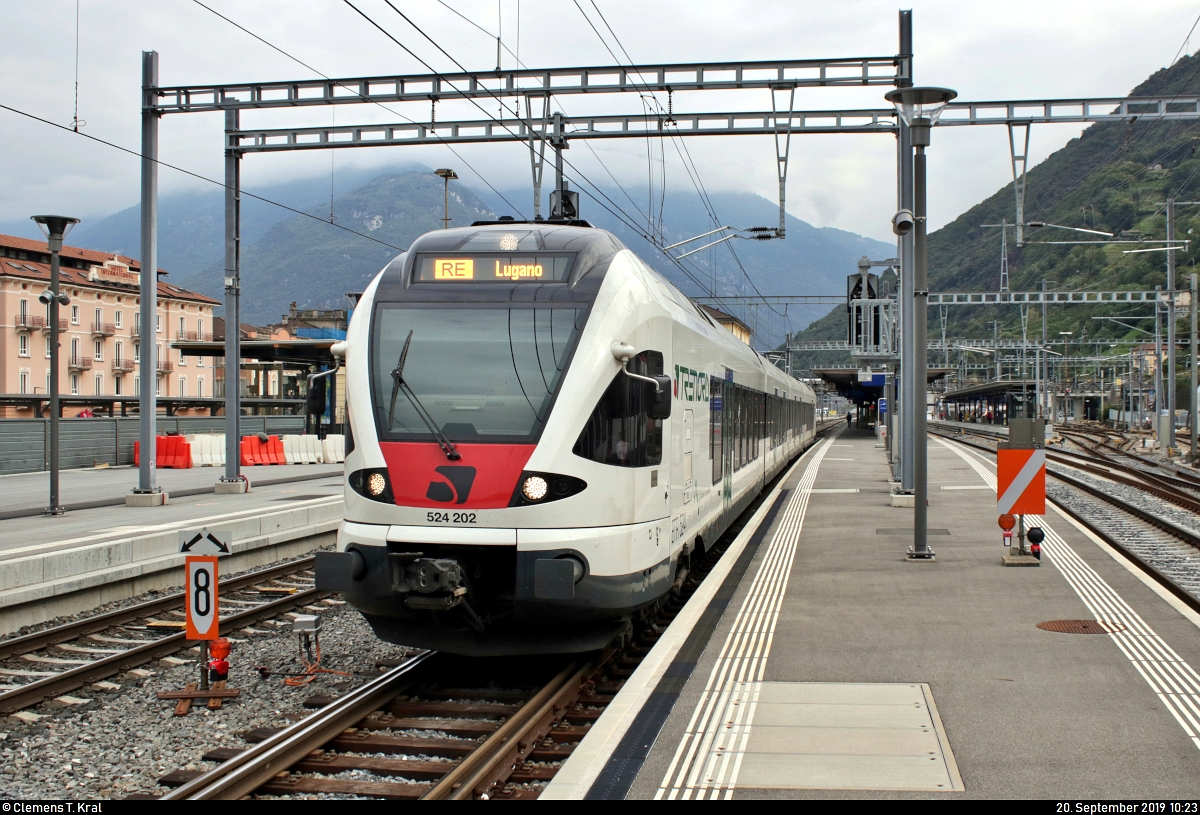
(542, 432)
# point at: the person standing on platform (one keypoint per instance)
(849, 420)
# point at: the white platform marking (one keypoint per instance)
(1172, 679)
(708, 758)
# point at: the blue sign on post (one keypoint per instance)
(882, 402)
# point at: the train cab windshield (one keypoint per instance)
(483, 374)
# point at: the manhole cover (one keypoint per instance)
(1080, 626)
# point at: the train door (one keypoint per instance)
(730, 435)
(687, 456)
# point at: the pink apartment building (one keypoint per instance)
(101, 332)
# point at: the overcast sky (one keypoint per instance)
(1013, 50)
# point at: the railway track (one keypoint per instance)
(59, 659)
(415, 733)
(1168, 552)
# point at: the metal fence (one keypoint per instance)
(25, 443)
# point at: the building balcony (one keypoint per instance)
(79, 363)
(28, 322)
(103, 329)
(47, 325)
(122, 365)
(193, 336)
(164, 366)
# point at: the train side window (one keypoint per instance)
(619, 431)
(715, 418)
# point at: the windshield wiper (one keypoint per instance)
(398, 385)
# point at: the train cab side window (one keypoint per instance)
(619, 431)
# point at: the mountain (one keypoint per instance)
(1113, 178)
(191, 225)
(288, 257)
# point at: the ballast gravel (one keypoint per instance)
(120, 742)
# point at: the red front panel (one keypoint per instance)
(484, 478)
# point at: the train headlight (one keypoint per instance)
(373, 484)
(542, 488)
(534, 488)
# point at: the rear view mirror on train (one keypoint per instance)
(659, 400)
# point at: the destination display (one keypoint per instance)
(492, 268)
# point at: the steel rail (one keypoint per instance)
(257, 765)
(502, 746)
(34, 692)
(90, 625)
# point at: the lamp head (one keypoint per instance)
(920, 108)
(447, 174)
(55, 228)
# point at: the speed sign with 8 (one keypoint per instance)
(202, 598)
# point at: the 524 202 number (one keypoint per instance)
(450, 517)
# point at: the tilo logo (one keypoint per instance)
(460, 478)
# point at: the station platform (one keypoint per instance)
(823, 664)
(102, 550)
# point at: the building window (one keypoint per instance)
(137, 352)
(182, 330)
(182, 358)
(137, 386)
(47, 381)
(117, 317)
(47, 348)
(158, 385)
(157, 323)
(99, 317)
(137, 323)
(23, 346)
(74, 348)
(99, 384)
(98, 350)
(200, 387)
(23, 309)
(24, 380)
(75, 384)
(120, 351)
(200, 329)
(117, 380)
(182, 387)
(74, 315)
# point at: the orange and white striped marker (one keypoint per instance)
(1021, 482)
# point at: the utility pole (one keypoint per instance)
(1192, 397)
(907, 384)
(232, 482)
(1170, 373)
(1158, 372)
(147, 492)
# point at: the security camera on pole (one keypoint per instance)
(920, 109)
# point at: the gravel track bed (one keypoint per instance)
(1135, 497)
(120, 742)
(1175, 559)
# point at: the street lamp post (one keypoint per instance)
(55, 228)
(446, 176)
(920, 109)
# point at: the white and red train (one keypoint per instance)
(542, 432)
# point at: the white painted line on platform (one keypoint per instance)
(834, 491)
(1170, 677)
(588, 759)
(969, 487)
(841, 459)
(709, 757)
